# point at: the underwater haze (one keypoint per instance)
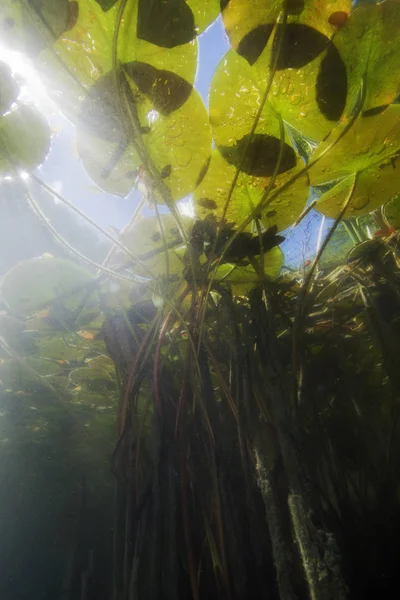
(199, 299)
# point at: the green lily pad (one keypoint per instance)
(391, 211)
(210, 197)
(30, 27)
(309, 97)
(369, 45)
(96, 383)
(9, 89)
(368, 151)
(24, 140)
(250, 24)
(61, 349)
(174, 125)
(205, 12)
(34, 284)
(173, 23)
(86, 47)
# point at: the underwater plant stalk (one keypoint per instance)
(282, 554)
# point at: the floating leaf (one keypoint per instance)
(250, 24)
(30, 27)
(310, 98)
(165, 24)
(211, 195)
(368, 151)
(86, 48)
(369, 45)
(166, 91)
(205, 12)
(170, 24)
(35, 283)
(174, 125)
(24, 140)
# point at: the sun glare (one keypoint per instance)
(31, 88)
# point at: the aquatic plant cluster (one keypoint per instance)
(249, 412)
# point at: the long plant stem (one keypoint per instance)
(282, 553)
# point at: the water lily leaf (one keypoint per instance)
(9, 89)
(165, 24)
(106, 4)
(86, 48)
(176, 22)
(144, 238)
(95, 383)
(242, 279)
(205, 12)
(14, 337)
(370, 47)
(166, 90)
(18, 375)
(24, 140)
(63, 349)
(173, 122)
(310, 98)
(33, 284)
(369, 150)
(31, 26)
(211, 195)
(392, 211)
(249, 25)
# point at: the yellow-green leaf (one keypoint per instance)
(369, 45)
(212, 194)
(250, 24)
(367, 151)
(174, 127)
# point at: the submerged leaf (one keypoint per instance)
(34, 284)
